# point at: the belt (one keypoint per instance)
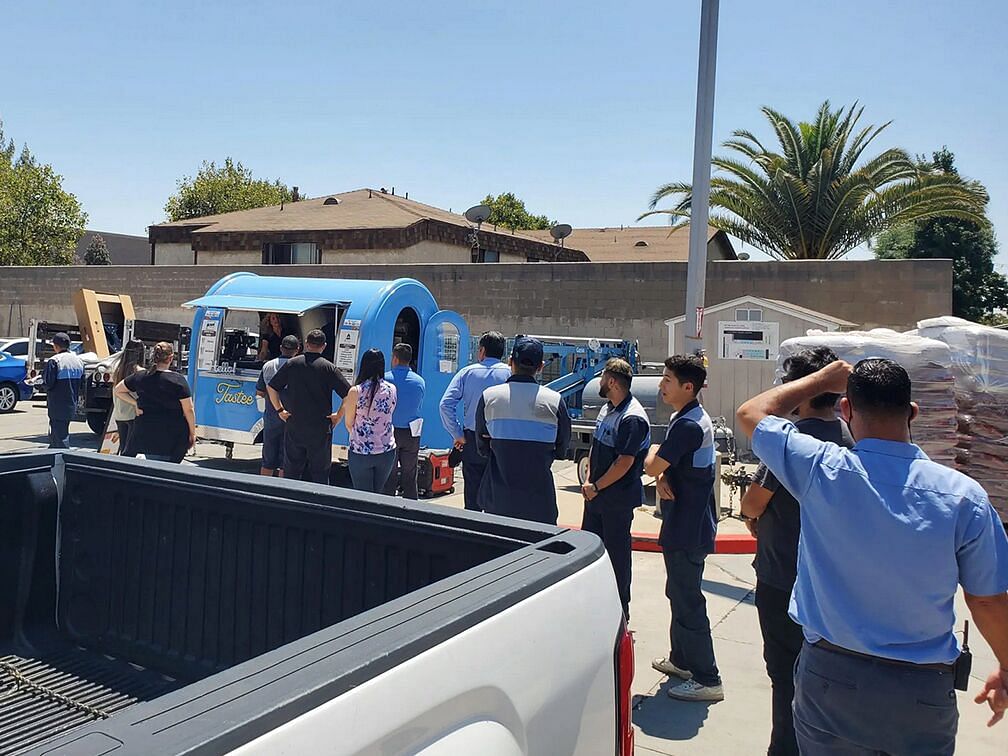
(826, 645)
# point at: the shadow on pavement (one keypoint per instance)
(734, 592)
(660, 717)
(86, 440)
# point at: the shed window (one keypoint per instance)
(749, 315)
(287, 254)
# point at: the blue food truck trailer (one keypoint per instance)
(355, 315)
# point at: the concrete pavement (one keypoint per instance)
(739, 724)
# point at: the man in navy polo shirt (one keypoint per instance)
(615, 466)
(684, 466)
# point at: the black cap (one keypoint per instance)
(527, 352)
(62, 339)
(290, 343)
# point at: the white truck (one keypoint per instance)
(159, 609)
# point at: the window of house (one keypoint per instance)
(491, 255)
(749, 315)
(287, 254)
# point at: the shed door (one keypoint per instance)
(444, 349)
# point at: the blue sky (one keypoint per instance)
(581, 108)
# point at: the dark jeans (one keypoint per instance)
(404, 468)
(782, 641)
(473, 468)
(273, 447)
(308, 460)
(690, 635)
(125, 430)
(612, 525)
(59, 433)
(850, 706)
(369, 472)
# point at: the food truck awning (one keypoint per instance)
(279, 305)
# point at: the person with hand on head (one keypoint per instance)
(684, 466)
(521, 427)
(407, 421)
(887, 537)
(368, 409)
(165, 427)
(615, 465)
(467, 387)
(773, 516)
(307, 408)
(62, 376)
(274, 429)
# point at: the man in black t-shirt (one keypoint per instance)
(310, 380)
(774, 517)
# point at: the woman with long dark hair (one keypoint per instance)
(368, 416)
(124, 412)
(165, 427)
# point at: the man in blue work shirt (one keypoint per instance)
(615, 465)
(774, 517)
(274, 429)
(467, 387)
(522, 427)
(887, 535)
(62, 377)
(407, 422)
(684, 467)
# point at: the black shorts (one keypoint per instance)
(273, 448)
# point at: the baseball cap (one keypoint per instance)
(62, 339)
(290, 342)
(527, 352)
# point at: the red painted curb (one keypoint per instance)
(724, 543)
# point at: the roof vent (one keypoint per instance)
(640, 243)
(331, 201)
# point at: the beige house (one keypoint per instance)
(362, 226)
(641, 243)
(741, 338)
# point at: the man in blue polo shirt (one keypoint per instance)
(467, 387)
(887, 536)
(62, 378)
(615, 466)
(684, 466)
(407, 421)
(522, 427)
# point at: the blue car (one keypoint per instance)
(12, 382)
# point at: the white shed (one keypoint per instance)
(741, 338)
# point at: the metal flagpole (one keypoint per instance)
(696, 270)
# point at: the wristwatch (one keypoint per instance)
(594, 487)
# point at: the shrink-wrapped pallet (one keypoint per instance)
(929, 364)
(980, 369)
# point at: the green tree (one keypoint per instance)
(40, 222)
(223, 189)
(509, 211)
(978, 290)
(814, 196)
(97, 252)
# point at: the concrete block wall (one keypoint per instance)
(627, 300)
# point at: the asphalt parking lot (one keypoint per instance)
(739, 724)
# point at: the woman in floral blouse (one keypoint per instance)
(369, 406)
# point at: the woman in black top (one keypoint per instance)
(165, 427)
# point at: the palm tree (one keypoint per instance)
(815, 198)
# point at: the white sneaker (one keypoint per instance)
(691, 690)
(666, 667)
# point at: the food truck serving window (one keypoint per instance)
(236, 332)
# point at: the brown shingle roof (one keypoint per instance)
(356, 211)
(660, 243)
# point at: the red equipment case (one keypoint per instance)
(435, 477)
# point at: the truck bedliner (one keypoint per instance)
(192, 597)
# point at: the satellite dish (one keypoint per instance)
(478, 214)
(743, 256)
(561, 231)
